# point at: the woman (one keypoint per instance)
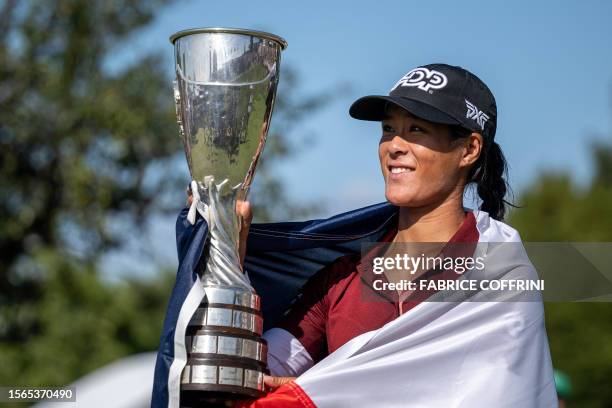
(429, 151)
(438, 127)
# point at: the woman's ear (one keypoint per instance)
(471, 149)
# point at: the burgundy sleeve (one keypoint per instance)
(307, 317)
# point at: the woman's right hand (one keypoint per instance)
(273, 383)
(243, 210)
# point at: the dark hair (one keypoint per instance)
(489, 175)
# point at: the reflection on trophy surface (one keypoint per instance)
(224, 94)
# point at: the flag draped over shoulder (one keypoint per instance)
(479, 353)
(280, 259)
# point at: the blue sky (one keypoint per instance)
(548, 63)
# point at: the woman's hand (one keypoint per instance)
(243, 209)
(273, 383)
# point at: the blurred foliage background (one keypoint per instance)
(554, 208)
(87, 156)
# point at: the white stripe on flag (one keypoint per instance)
(191, 303)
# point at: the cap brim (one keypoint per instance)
(373, 108)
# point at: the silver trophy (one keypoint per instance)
(225, 87)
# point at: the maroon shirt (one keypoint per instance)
(331, 310)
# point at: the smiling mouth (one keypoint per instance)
(399, 169)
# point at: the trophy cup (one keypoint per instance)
(224, 91)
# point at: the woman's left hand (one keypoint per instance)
(243, 209)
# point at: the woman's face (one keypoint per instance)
(420, 163)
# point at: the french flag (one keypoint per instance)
(439, 354)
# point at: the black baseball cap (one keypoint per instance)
(438, 93)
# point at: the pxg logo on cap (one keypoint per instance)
(474, 113)
(424, 79)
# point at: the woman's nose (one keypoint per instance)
(398, 146)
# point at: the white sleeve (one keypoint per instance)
(287, 357)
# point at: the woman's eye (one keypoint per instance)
(387, 128)
(414, 128)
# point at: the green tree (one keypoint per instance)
(86, 156)
(554, 208)
(75, 141)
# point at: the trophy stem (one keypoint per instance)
(224, 232)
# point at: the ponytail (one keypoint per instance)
(489, 176)
(490, 181)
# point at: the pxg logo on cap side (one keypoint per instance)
(424, 79)
(474, 113)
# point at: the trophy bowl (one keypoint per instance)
(225, 87)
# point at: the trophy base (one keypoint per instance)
(226, 356)
(217, 396)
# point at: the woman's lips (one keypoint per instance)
(397, 172)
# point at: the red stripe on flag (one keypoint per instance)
(289, 395)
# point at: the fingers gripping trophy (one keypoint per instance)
(225, 87)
